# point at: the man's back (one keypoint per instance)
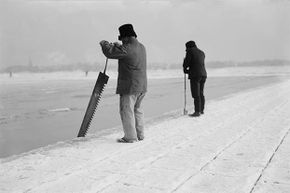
(195, 61)
(132, 69)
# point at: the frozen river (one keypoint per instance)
(38, 113)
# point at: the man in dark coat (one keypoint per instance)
(132, 80)
(193, 65)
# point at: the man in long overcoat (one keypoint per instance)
(193, 65)
(132, 80)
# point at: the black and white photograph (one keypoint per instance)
(144, 96)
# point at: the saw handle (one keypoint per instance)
(106, 66)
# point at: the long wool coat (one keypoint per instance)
(193, 64)
(132, 77)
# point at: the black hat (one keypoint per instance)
(190, 44)
(126, 30)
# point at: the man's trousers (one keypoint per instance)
(197, 87)
(132, 115)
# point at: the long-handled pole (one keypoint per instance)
(184, 109)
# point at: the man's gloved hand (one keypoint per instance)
(117, 44)
(185, 70)
(103, 42)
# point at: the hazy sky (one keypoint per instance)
(65, 31)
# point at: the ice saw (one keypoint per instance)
(94, 101)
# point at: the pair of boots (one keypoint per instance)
(124, 140)
(196, 114)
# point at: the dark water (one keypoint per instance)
(41, 113)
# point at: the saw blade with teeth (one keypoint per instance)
(93, 103)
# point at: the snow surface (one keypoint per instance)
(240, 145)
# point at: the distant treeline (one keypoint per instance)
(222, 64)
(86, 67)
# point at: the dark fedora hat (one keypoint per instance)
(126, 30)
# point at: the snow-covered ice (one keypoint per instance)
(241, 144)
(51, 106)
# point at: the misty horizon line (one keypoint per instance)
(98, 66)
